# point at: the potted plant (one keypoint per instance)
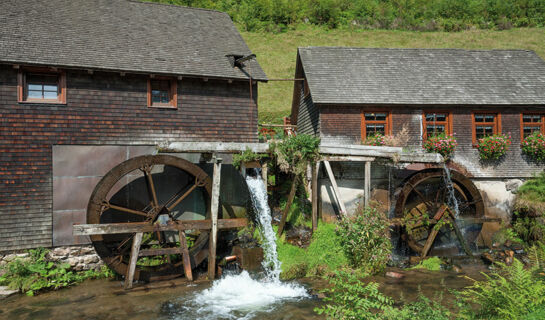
(494, 146)
(534, 146)
(442, 143)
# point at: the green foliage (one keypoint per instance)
(432, 264)
(351, 299)
(513, 292)
(295, 152)
(442, 144)
(37, 274)
(323, 255)
(365, 239)
(529, 229)
(422, 15)
(534, 146)
(531, 196)
(246, 156)
(493, 147)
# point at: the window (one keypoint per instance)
(485, 124)
(162, 93)
(435, 123)
(41, 86)
(530, 123)
(375, 122)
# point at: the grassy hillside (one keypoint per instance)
(277, 52)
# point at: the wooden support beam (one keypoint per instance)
(315, 194)
(288, 205)
(212, 242)
(429, 241)
(132, 227)
(224, 147)
(185, 256)
(129, 277)
(367, 184)
(264, 175)
(348, 158)
(342, 208)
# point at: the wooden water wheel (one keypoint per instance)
(432, 223)
(155, 190)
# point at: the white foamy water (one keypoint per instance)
(452, 201)
(241, 296)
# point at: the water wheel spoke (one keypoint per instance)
(171, 207)
(423, 198)
(127, 210)
(151, 186)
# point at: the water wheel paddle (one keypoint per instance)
(431, 222)
(152, 189)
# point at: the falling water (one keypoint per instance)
(242, 296)
(452, 202)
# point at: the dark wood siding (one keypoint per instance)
(308, 120)
(342, 124)
(101, 109)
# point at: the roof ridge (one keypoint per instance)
(175, 5)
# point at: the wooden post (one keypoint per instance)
(264, 175)
(315, 193)
(129, 277)
(185, 256)
(288, 206)
(342, 208)
(367, 184)
(214, 216)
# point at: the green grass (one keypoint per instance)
(276, 53)
(323, 255)
(432, 264)
(531, 195)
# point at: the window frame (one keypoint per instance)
(541, 124)
(496, 128)
(387, 123)
(448, 123)
(173, 93)
(22, 85)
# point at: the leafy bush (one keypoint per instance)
(36, 274)
(493, 147)
(295, 152)
(511, 293)
(529, 229)
(365, 239)
(246, 156)
(442, 144)
(351, 299)
(534, 146)
(531, 196)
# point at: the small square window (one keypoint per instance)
(41, 86)
(162, 93)
(375, 123)
(485, 124)
(532, 123)
(436, 123)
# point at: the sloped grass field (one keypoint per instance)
(276, 52)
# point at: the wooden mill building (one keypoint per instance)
(87, 84)
(349, 94)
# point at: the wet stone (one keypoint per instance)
(6, 292)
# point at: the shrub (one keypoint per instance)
(37, 274)
(513, 292)
(493, 147)
(246, 156)
(531, 196)
(294, 152)
(442, 144)
(534, 146)
(529, 229)
(365, 239)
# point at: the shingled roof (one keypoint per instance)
(122, 35)
(338, 75)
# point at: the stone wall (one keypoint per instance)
(80, 258)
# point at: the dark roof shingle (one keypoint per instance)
(423, 76)
(122, 35)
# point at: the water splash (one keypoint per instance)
(241, 296)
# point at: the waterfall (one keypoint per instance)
(258, 193)
(452, 202)
(241, 296)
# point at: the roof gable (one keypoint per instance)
(338, 75)
(122, 35)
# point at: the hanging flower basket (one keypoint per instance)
(534, 146)
(375, 140)
(493, 147)
(442, 144)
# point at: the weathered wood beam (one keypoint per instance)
(226, 147)
(132, 227)
(367, 184)
(185, 256)
(129, 277)
(315, 195)
(336, 191)
(421, 157)
(347, 158)
(212, 242)
(288, 205)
